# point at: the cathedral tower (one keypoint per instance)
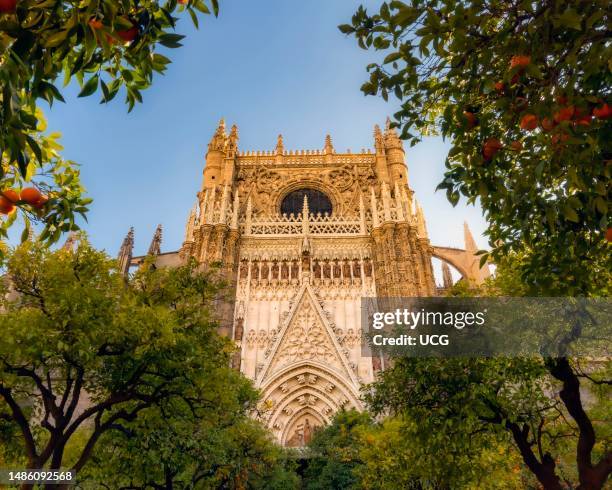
(302, 236)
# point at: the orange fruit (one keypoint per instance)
(471, 119)
(128, 35)
(609, 235)
(6, 206)
(41, 202)
(529, 122)
(520, 60)
(564, 114)
(31, 195)
(499, 86)
(491, 147)
(11, 195)
(602, 112)
(559, 138)
(516, 145)
(583, 120)
(547, 124)
(95, 23)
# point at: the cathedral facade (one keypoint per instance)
(302, 237)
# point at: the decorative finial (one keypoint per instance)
(329, 147)
(280, 148)
(70, 241)
(125, 252)
(219, 139)
(155, 247)
(232, 141)
(379, 142)
(392, 139)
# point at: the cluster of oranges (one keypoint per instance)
(578, 117)
(30, 195)
(529, 122)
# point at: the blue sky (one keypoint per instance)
(271, 67)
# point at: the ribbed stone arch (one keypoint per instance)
(292, 390)
(289, 429)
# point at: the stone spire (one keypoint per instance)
(280, 147)
(470, 244)
(447, 278)
(329, 147)
(155, 247)
(70, 242)
(125, 252)
(392, 139)
(191, 224)
(420, 219)
(379, 142)
(219, 139)
(399, 205)
(305, 216)
(235, 209)
(374, 207)
(232, 141)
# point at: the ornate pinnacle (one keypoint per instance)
(70, 241)
(329, 147)
(191, 224)
(392, 139)
(155, 247)
(232, 140)
(280, 148)
(379, 142)
(305, 209)
(125, 252)
(470, 244)
(447, 278)
(219, 139)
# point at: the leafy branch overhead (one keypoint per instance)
(522, 91)
(104, 45)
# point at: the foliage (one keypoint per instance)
(555, 421)
(335, 452)
(57, 179)
(220, 448)
(522, 91)
(105, 45)
(356, 452)
(85, 353)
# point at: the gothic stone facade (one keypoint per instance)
(303, 236)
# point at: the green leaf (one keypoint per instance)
(90, 87)
(171, 40)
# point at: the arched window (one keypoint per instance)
(317, 202)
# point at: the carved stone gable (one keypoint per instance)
(306, 336)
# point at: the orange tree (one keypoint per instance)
(522, 91)
(106, 46)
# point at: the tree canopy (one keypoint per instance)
(88, 359)
(522, 91)
(104, 46)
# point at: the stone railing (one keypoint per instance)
(305, 223)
